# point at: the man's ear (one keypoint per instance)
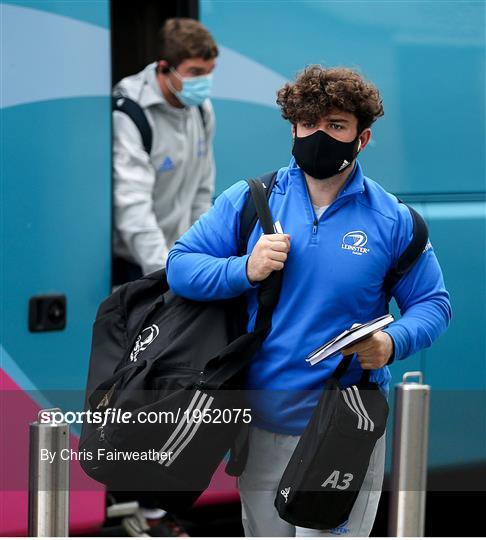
(293, 127)
(364, 139)
(163, 67)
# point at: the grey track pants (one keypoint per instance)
(268, 456)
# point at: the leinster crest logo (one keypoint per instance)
(145, 338)
(355, 241)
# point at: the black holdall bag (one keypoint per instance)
(328, 466)
(156, 353)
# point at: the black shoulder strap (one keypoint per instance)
(412, 253)
(249, 212)
(133, 110)
(203, 116)
(260, 202)
(269, 289)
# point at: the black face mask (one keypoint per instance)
(322, 156)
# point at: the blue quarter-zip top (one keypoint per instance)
(333, 278)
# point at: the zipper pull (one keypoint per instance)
(314, 228)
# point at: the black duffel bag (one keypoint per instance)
(157, 355)
(326, 471)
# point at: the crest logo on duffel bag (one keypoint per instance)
(146, 337)
(334, 479)
(285, 493)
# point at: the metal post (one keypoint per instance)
(48, 477)
(409, 465)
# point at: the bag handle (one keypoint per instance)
(269, 290)
(249, 216)
(259, 197)
(268, 294)
(343, 366)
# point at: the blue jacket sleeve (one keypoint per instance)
(204, 263)
(420, 294)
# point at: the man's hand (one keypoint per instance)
(269, 254)
(374, 352)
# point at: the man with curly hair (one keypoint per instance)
(320, 198)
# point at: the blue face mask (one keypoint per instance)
(194, 89)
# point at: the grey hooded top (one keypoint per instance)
(157, 198)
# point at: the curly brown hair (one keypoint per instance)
(182, 38)
(317, 90)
